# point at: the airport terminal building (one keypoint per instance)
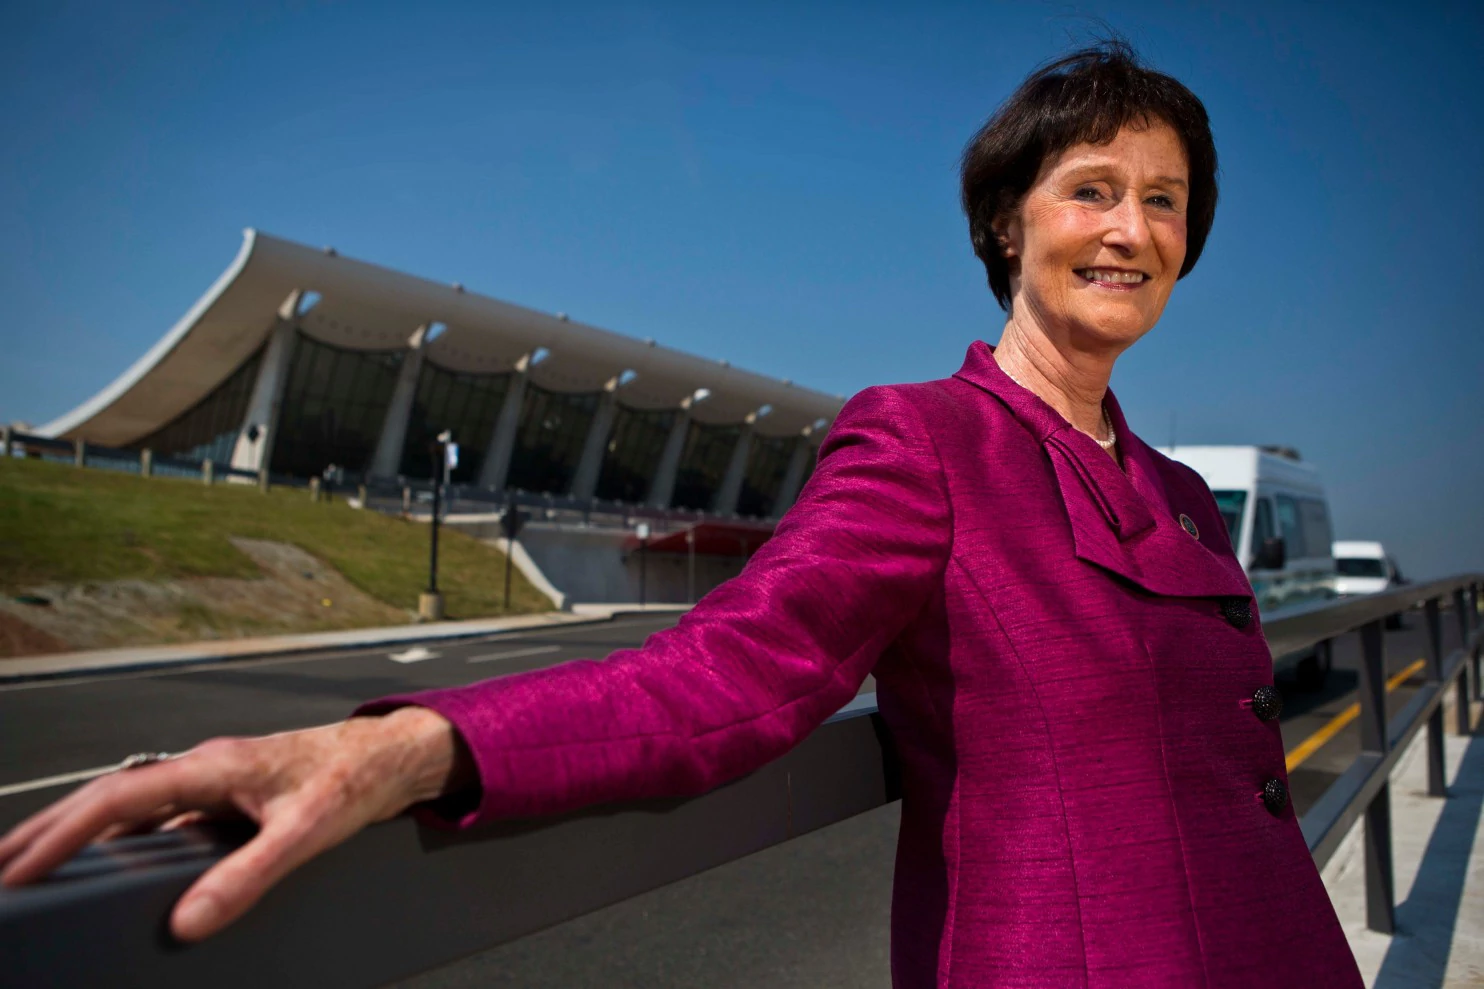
(299, 360)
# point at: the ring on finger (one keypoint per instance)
(140, 759)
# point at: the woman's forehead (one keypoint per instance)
(1155, 152)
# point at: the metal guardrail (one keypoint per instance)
(400, 899)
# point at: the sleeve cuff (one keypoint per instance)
(456, 811)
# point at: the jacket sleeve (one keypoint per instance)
(753, 668)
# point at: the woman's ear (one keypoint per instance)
(1007, 235)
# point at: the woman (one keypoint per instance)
(1064, 643)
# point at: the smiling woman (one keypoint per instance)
(1063, 641)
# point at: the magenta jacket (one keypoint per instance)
(1067, 655)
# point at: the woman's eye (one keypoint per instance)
(1163, 202)
(1088, 193)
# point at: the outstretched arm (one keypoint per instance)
(748, 673)
(753, 668)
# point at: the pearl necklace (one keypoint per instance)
(1107, 444)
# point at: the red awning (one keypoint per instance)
(712, 539)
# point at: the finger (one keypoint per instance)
(23, 833)
(184, 820)
(286, 841)
(144, 825)
(126, 797)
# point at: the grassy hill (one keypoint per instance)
(63, 525)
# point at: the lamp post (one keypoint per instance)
(690, 552)
(643, 533)
(444, 451)
(510, 524)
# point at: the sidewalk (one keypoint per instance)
(1439, 858)
(67, 664)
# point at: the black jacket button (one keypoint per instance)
(1237, 612)
(1275, 795)
(1267, 703)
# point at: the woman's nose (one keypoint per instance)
(1128, 227)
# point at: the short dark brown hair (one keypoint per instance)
(1086, 97)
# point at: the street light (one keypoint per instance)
(445, 454)
(643, 533)
(510, 525)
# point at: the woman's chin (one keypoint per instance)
(1115, 326)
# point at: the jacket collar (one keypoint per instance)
(1123, 520)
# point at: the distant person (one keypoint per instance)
(1065, 646)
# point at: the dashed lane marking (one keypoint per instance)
(1337, 724)
(251, 663)
(514, 654)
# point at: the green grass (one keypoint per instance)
(63, 525)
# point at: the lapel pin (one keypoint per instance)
(1189, 526)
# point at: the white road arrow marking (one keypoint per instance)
(414, 655)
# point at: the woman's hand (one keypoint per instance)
(307, 790)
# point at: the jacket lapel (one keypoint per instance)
(1123, 520)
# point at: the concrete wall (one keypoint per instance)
(589, 565)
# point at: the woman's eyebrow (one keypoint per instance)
(1090, 168)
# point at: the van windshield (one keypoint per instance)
(1358, 567)
(1231, 504)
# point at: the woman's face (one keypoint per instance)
(1100, 238)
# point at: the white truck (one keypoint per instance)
(1278, 516)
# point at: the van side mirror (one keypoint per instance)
(1271, 555)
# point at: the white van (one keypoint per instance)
(1277, 516)
(1362, 567)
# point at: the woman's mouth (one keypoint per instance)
(1114, 279)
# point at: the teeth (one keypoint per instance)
(1103, 275)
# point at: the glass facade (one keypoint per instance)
(208, 430)
(466, 404)
(548, 443)
(703, 465)
(334, 405)
(633, 453)
(767, 462)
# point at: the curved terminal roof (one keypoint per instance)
(367, 307)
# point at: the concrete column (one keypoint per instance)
(80, 452)
(585, 481)
(146, 462)
(388, 456)
(793, 477)
(662, 488)
(267, 394)
(496, 466)
(208, 473)
(731, 481)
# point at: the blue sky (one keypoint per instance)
(778, 188)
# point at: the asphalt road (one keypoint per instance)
(812, 912)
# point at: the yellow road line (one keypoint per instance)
(1337, 724)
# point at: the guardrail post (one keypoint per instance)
(208, 473)
(1474, 654)
(1463, 606)
(1380, 878)
(1437, 784)
(314, 489)
(265, 482)
(5, 443)
(80, 453)
(146, 462)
